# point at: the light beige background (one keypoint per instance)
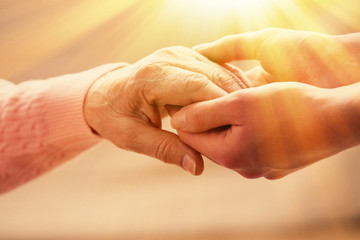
(108, 193)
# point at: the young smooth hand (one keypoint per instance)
(274, 129)
(288, 55)
(126, 105)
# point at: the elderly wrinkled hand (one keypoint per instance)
(126, 106)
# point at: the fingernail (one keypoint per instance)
(178, 121)
(189, 164)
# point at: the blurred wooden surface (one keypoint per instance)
(107, 193)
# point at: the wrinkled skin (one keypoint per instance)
(126, 105)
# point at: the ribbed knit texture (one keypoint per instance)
(42, 124)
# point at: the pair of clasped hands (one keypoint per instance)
(300, 105)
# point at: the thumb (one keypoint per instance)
(165, 146)
(230, 48)
(203, 116)
(258, 76)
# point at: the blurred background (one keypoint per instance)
(108, 193)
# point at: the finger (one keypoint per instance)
(203, 116)
(222, 76)
(182, 87)
(165, 146)
(207, 142)
(192, 61)
(258, 76)
(216, 73)
(244, 80)
(235, 47)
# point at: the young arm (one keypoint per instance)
(274, 129)
(288, 55)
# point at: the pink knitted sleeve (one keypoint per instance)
(42, 124)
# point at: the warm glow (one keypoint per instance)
(251, 15)
(107, 193)
(231, 4)
(223, 9)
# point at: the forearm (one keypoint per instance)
(42, 125)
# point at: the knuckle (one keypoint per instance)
(218, 75)
(146, 71)
(195, 82)
(225, 81)
(144, 81)
(148, 68)
(162, 150)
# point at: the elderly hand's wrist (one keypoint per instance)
(100, 97)
(91, 102)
